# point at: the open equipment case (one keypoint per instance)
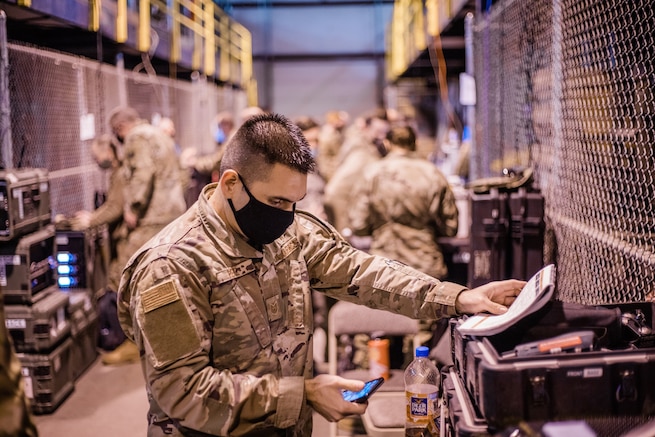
(499, 381)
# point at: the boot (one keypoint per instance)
(126, 353)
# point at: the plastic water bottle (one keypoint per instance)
(422, 395)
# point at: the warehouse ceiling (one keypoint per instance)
(30, 26)
(452, 45)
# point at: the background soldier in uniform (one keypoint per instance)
(153, 194)
(359, 150)
(110, 213)
(405, 204)
(219, 302)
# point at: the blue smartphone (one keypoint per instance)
(362, 396)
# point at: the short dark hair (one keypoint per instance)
(104, 143)
(305, 123)
(265, 140)
(122, 114)
(402, 136)
(380, 113)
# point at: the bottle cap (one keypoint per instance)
(422, 351)
(466, 133)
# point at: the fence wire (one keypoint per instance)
(59, 102)
(566, 86)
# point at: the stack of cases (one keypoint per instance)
(76, 258)
(40, 327)
(84, 329)
(76, 270)
(27, 267)
(507, 235)
(486, 391)
(24, 201)
(36, 312)
(459, 415)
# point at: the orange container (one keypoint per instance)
(378, 358)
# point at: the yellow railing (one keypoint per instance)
(222, 48)
(407, 35)
(413, 24)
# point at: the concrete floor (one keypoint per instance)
(107, 401)
(110, 401)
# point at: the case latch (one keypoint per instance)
(627, 389)
(539, 393)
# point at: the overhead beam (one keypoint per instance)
(305, 4)
(296, 57)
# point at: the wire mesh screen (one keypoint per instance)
(567, 87)
(59, 103)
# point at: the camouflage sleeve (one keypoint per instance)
(174, 321)
(140, 176)
(360, 212)
(208, 163)
(444, 210)
(346, 273)
(112, 210)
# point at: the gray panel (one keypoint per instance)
(315, 88)
(257, 21)
(322, 30)
(347, 29)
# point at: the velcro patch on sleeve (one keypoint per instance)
(167, 324)
(159, 296)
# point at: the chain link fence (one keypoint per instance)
(59, 103)
(566, 86)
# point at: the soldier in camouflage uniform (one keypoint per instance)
(358, 151)
(330, 139)
(15, 417)
(110, 213)
(153, 194)
(405, 203)
(219, 302)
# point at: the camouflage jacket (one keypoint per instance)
(225, 331)
(153, 179)
(329, 144)
(406, 203)
(339, 190)
(207, 164)
(111, 211)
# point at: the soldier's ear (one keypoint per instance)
(229, 182)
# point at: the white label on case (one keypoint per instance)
(15, 323)
(29, 391)
(593, 372)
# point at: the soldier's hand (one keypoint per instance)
(493, 297)
(324, 395)
(81, 221)
(188, 157)
(130, 218)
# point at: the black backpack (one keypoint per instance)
(110, 333)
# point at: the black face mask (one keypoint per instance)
(105, 164)
(379, 144)
(261, 223)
